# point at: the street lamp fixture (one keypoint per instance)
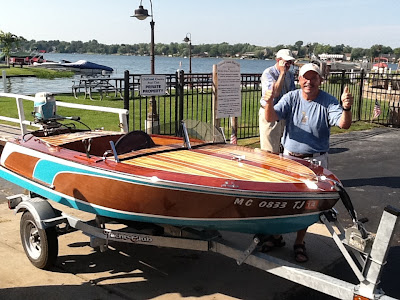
(142, 14)
(188, 39)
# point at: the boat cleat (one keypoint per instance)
(315, 162)
(237, 157)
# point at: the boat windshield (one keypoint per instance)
(198, 131)
(191, 134)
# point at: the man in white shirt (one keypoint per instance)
(282, 80)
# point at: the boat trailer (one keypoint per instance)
(365, 252)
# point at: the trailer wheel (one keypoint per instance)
(40, 245)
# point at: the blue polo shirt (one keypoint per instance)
(308, 123)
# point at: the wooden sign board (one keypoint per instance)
(228, 97)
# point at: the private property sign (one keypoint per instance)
(152, 85)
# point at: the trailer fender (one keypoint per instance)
(44, 214)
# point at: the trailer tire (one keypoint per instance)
(40, 245)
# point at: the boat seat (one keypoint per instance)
(132, 141)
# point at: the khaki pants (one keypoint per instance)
(322, 159)
(270, 133)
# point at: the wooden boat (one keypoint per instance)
(183, 181)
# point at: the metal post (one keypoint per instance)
(152, 116)
(188, 39)
(360, 99)
(153, 104)
(379, 251)
(181, 91)
(190, 57)
(126, 94)
(152, 23)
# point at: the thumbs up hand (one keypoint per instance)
(347, 98)
(268, 95)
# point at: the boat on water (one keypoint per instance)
(194, 179)
(80, 66)
(24, 58)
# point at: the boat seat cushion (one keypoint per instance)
(132, 141)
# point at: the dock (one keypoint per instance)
(8, 131)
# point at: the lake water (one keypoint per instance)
(134, 64)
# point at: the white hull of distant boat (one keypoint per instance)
(80, 66)
(50, 65)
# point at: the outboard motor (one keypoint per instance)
(45, 114)
(44, 107)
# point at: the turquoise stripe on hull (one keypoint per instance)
(267, 226)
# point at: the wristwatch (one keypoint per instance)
(346, 109)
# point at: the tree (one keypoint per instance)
(396, 52)
(338, 49)
(298, 45)
(357, 53)
(7, 40)
(347, 49)
(214, 51)
(375, 51)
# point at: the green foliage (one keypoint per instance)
(221, 50)
(7, 41)
(51, 74)
(37, 72)
(339, 80)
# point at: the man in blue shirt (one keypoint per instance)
(309, 113)
(282, 80)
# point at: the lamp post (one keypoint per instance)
(308, 51)
(189, 40)
(142, 14)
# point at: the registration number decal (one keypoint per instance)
(304, 204)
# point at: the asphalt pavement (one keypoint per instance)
(367, 164)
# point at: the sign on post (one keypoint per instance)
(228, 100)
(152, 85)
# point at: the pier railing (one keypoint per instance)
(189, 96)
(24, 123)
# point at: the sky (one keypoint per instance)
(357, 23)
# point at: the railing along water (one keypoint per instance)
(23, 123)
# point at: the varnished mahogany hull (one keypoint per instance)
(202, 187)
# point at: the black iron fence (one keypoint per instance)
(189, 96)
(376, 95)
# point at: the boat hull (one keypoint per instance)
(156, 196)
